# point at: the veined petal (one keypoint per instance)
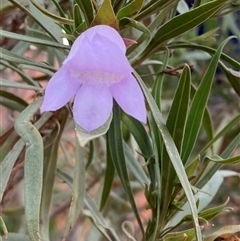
(60, 89)
(92, 106)
(105, 31)
(130, 98)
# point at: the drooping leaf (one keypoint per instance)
(33, 168)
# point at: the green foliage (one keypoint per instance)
(97, 181)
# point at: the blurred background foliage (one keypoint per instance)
(175, 39)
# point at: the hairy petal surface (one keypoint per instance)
(92, 106)
(60, 89)
(130, 98)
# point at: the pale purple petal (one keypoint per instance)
(103, 30)
(100, 55)
(60, 89)
(130, 98)
(92, 106)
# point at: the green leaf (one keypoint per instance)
(134, 166)
(118, 157)
(135, 24)
(17, 237)
(7, 164)
(226, 128)
(87, 9)
(218, 159)
(106, 15)
(195, 116)
(213, 212)
(98, 219)
(173, 154)
(184, 22)
(178, 112)
(211, 51)
(77, 16)
(108, 181)
(186, 235)
(130, 9)
(46, 23)
(233, 77)
(176, 124)
(15, 58)
(12, 84)
(33, 168)
(32, 40)
(141, 136)
(17, 103)
(152, 7)
(49, 169)
(51, 15)
(3, 227)
(24, 76)
(78, 189)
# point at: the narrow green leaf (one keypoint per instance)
(153, 7)
(49, 169)
(12, 84)
(194, 119)
(3, 227)
(176, 122)
(184, 22)
(42, 21)
(140, 134)
(17, 237)
(233, 77)
(77, 16)
(7, 164)
(98, 219)
(226, 128)
(32, 40)
(108, 181)
(19, 104)
(15, 58)
(135, 24)
(207, 121)
(87, 9)
(51, 15)
(173, 154)
(24, 76)
(178, 112)
(211, 51)
(218, 159)
(78, 189)
(117, 153)
(106, 15)
(132, 8)
(33, 168)
(134, 166)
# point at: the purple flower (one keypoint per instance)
(96, 71)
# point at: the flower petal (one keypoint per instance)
(105, 31)
(60, 89)
(92, 106)
(99, 55)
(130, 98)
